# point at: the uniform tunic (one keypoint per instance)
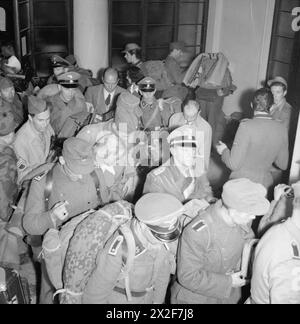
(209, 252)
(61, 111)
(32, 148)
(8, 180)
(169, 179)
(276, 269)
(148, 278)
(283, 113)
(258, 144)
(81, 196)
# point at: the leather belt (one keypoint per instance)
(133, 293)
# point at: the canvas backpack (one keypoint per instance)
(157, 71)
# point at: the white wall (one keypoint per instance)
(241, 29)
(91, 34)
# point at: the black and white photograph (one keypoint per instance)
(150, 154)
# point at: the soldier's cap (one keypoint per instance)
(177, 45)
(183, 136)
(7, 120)
(160, 212)
(69, 79)
(5, 83)
(36, 105)
(131, 47)
(245, 196)
(278, 79)
(78, 156)
(127, 101)
(58, 61)
(147, 85)
(71, 59)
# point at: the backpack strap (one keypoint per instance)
(152, 117)
(48, 188)
(97, 186)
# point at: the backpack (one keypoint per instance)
(70, 254)
(157, 71)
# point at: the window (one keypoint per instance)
(2, 19)
(154, 24)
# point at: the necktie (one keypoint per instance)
(108, 100)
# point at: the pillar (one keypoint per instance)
(91, 18)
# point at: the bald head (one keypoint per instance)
(110, 79)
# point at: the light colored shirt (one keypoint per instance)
(13, 62)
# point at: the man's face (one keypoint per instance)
(41, 121)
(278, 93)
(190, 113)
(185, 156)
(67, 93)
(8, 94)
(110, 82)
(58, 70)
(148, 96)
(129, 57)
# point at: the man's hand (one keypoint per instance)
(221, 147)
(237, 280)
(59, 212)
(280, 191)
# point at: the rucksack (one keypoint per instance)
(70, 254)
(157, 71)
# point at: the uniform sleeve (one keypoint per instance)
(36, 220)
(104, 278)
(285, 283)
(192, 259)
(283, 155)
(163, 278)
(235, 158)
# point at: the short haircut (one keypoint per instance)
(279, 84)
(263, 100)
(137, 52)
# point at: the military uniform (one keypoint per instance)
(211, 246)
(258, 144)
(276, 269)
(61, 111)
(282, 113)
(209, 252)
(32, 147)
(169, 179)
(154, 261)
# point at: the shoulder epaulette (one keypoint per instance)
(114, 248)
(159, 171)
(199, 226)
(244, 120)
(40, 176)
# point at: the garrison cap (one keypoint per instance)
(278, 79)
(58, 61)
(147, 84)
(160, 212)
(69, 79)
(183, 136)
(7, 121)
(127, 101)
(36, 105)
(131, 47)
(5, 83)
(178, 46)
(246, 196)
(78, 156)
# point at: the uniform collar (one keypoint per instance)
(263, 115)
(145, 105)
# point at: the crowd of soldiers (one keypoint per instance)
(78, 145)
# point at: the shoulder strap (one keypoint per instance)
(48, 188)
(97, 186)
(152, 117)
